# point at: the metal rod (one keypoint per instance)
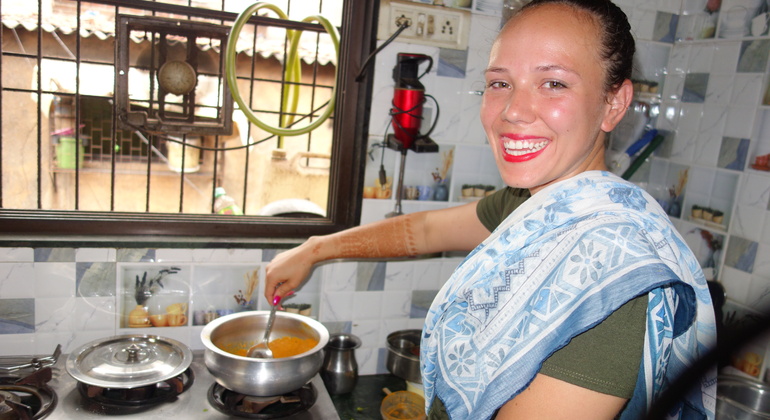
(400, 187)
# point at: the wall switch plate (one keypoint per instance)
(436, 26)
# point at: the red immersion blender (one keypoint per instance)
(406, 114)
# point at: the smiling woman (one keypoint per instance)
(148, 159)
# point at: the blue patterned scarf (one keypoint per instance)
(557, 266)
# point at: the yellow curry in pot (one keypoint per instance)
(281, 347)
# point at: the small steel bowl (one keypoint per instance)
(740, 398)
(261, 377)
(404, 355)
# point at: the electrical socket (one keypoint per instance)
(436, 26)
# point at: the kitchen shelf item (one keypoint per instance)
(261, 377)
(402, 405)
(340, 369)
(404, 355)
(128, 361)
(742, 398)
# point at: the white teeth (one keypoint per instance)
(520, 147)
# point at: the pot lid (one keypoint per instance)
(129, 361)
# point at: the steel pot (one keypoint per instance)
(742, 399)
(261, 377)
(404, 355)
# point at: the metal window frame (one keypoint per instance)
(358, 38)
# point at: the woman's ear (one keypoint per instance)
(618, 101)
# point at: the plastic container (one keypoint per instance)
(403, 405)
(191, 155)
(67, 152)
(224, 204)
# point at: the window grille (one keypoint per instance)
(65, 134)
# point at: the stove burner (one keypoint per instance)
(123, 400)
(23, 402)
(239, 405)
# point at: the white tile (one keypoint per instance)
(210, 255)
(95, 314)
(427, 275)
(745, 222)
(174, 255)
(398, 275)
(244, 255)
(736, 283)
(367, 305)
(396, 304)
(673, 87)
(762, 263)
(685, 143)
(17, 280)
(726, 57)
(690, 117)
(96, 255)
(701, 57)
(740, 121)
(709, 143)
(54, 314)
(390, 325)
(668, 117)
(745, 91)
(367, 361)
(17, 344)
(679, 59)
(17, 255)
(336, 307)
(644, 23)
(759, 291)
(46, 342)
(339, 276)
(719, 89)
(82, 338)
(754, 192)
(368, 331)
(54, 280)
(765, 239)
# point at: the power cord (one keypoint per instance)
(402, 23)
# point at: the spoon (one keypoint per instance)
(261, 350)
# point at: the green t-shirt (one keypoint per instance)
(605, 358)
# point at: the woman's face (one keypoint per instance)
(544, 109)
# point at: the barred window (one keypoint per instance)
(118, 119)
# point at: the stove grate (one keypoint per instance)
(125, 400)
(278, 407)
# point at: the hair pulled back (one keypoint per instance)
(618, 46)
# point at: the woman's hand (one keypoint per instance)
(453, 229)
(289, 269)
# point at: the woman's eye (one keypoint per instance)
(553, 84)
(497, 85)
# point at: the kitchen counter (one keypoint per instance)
(364, 402)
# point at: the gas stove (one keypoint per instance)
(194, 395)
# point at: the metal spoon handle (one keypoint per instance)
(271, 319)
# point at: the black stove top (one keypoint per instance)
(195, 398)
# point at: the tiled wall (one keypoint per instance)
(710, 105)
(72, 296)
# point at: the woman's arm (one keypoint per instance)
(550, 398)
(452, 229)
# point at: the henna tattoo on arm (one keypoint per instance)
(393, 239)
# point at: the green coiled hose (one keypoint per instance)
(292, 74)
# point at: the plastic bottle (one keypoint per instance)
(224, 204)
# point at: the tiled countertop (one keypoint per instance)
(364, 402)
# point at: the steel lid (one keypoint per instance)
(129, 361)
